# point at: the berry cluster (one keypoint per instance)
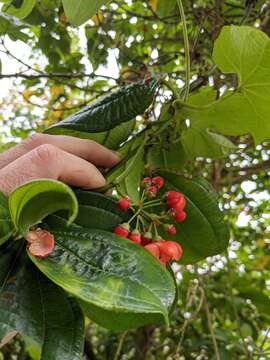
(170, 207)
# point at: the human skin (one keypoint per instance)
(71, 160)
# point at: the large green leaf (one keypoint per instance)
(112, 139)
(245, 51)
(35, 307)
(201, 142)
(6, 226)
(204, 232)
(80, 11)
(33, 201)
(110, 273)
(22, 11)
(109, 111)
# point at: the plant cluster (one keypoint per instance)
(171, 207)
(73, 257)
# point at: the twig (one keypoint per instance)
(191, 294)
(187, 49)
(210, 326)
(120, 346)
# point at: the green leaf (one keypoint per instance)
(129, 177)
(33, 201)
(20, 12)
(12, 27)
(98, 211)
(80, 11)
(119, 321)
(166, 7)
(205, 143)
(110, 273)
(204, 232)
(245, 51)
(6, 226)
(109, 111)
(167, 156)
(35, 307)
(133, 153)
(112, 139)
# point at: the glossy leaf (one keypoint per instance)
(245, 51)
(6, 226)
(35, 307)
(80, 11)
(109, 111)
(204, 232)
(119, 321)
(112, 139)
(33, 201)
(97, 211)
(109, 272)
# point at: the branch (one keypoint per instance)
(55, 75)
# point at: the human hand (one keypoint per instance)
(71, 160)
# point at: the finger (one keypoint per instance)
(50, 162)
(86, 149)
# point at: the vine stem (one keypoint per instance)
(187, 48)
(120, 346)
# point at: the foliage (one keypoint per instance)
(200, 146)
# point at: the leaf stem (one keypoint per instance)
(134, 216)
(120, 346)
(152, 205)
(187, 49)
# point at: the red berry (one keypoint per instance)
(147, 180)
(158, 181)
(171, 249)
(153, 249)
(121, 230)
(171, 230)
(152, 190)
(135, 236)
(41, 243)
(164, 259)
(173, 197)
(179, 206)
(146, 238)
(124, 204)
(180, 216)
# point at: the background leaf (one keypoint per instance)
(80, 11)
(22, 11)
(245, 51)
(33, 201)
